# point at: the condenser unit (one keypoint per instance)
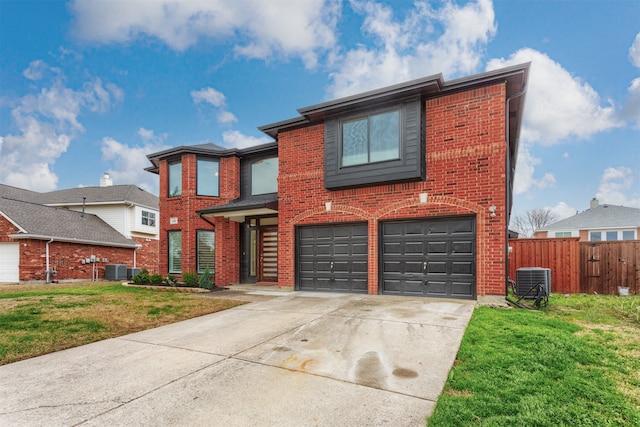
(115, 272)
(132, 272)
(529, 277)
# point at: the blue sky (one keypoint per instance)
(88, 87)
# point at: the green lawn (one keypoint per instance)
(40, 319)
(575, 363)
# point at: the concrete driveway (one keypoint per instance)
(289, 359)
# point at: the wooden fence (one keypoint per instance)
(580, 267)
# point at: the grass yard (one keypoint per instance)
(40, 319)
(574, 363)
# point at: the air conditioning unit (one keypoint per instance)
(132, 272)
(115, 272)
(528, 277)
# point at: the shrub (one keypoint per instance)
(155, 279)
(190, 279)
(142, 278)
(206, 280)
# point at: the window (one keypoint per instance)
(264, 176)
(175, 179)
(370, 139)
(595, 236)
(175, 251)
(628, 235)
(206, 250)
(208, 178)
(612, 235)
(148, 218)
(563, 234)
(369, 147)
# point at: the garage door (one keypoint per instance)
(332, 258)
(9, 261)
(430, 257)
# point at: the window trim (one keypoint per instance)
(150, 215)
(169, 191)
(209, 160)
(169, 257)
(198, 232)
(251, 174)
(367, 114)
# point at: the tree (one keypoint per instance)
(534, 219)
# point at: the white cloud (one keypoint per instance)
(217, 99)
(236, 139)
(634, 51)
(448, 40)
(616, 187)
(558, 105)
(562, 210)
(525, 171)
(259, 29)
(46, 122)
(131, 161)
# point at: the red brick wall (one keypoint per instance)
(148, 254)
(465, 146)
(184, 209)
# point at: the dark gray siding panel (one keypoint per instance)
(410, 166)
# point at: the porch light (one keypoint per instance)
(492, 209)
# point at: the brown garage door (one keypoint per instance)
(429, 257)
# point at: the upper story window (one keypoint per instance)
(628, 235)
(380, 145)
(613, 235)
(208, 178)
(175, 179)
(264, 176)
(371, 138)
(149, 218)
(563, 234)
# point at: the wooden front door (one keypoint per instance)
(268, 255)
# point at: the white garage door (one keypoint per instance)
(9, 261)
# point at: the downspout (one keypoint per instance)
(48, 272)
(508, 190)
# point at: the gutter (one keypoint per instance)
(73, 240)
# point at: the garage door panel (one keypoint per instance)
(338, 260)
(446, 245)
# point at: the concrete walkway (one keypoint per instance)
(287, 359)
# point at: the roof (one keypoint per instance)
(73, 196)
(208, 149)
(239, 208)
(41, 222)
(602, 216)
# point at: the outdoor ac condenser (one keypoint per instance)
(528, 277)
(115, 272)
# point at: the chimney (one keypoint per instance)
(105, 180)
(594, 203)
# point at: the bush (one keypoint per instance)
(206, 280)
(141, 278)
(190, 279)
(155, 279)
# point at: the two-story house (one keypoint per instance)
(405, 190)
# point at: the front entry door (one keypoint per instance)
(268, 254)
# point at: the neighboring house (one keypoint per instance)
(404, 190)
(598, 223)
(130, 213)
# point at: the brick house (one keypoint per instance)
(405, 190)
(58, 230)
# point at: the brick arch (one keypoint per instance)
(335, 208)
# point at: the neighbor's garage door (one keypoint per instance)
(9, 261)
(429, 257)
(332, 258)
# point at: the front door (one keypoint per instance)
(268, 254)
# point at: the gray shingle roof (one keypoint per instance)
(602, 216)
(73, 196)
(44, 222)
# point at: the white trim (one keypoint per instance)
(22, 230)
(70, 240)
